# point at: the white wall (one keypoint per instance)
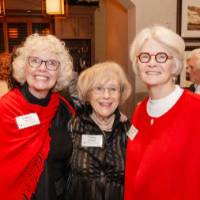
(155, 11)
(100, 33)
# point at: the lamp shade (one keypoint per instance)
(55, 7)
(2, 8)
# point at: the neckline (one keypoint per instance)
(166, 113)
(32, 99)
(156, 108)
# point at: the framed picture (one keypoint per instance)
(188, 22)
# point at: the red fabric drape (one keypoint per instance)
(23, 151)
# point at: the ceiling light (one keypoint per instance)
(55, 7)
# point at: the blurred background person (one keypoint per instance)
(34, 145)
(5, 69)
(193, 70)
(99, 136)
(163, 146)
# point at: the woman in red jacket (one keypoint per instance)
(163, 156)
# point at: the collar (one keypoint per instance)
(85, 116)
(156, 108)
(32, 99)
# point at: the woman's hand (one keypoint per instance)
(123, 118)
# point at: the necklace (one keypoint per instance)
(104, 125)
(152, 121)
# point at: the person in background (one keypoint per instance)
(193, 70)
(34, 146)
(99, 136)
(5, 68)
(163, 146)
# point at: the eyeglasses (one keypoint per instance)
(51, 64)
(160, 57)
(99, 90)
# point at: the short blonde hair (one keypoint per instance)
(53, 45)
(103, 72)
(195, 54)
(166, 37)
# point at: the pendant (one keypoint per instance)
(152, 121)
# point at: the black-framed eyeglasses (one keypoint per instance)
(51, 64)
(160, 57)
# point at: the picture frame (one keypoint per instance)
(188, 22)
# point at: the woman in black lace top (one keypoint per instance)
(99, 137)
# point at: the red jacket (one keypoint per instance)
(163, 160)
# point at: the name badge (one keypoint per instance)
(132, 132)
(25, 121)
(91, 140)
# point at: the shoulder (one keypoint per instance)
(188, 104)
(79, 121)
(66, 105)
(190, 98)
(190, 88)
(11, 99)
(76, 121)
(140, 108)
(64, 113)
(141, 104)
(126, 125)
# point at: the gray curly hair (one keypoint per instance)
(54, 45)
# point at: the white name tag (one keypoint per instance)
(132, 132)
(28, 120)
(91, 140)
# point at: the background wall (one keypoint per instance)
(100, 32)
(111, 41)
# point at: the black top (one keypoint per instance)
(191, 88)
(97, 173)
(53, 178)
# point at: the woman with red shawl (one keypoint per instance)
(34, 148)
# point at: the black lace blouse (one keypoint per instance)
(97, 173)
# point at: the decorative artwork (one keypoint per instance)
(188, 22)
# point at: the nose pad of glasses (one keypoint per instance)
(42, 66)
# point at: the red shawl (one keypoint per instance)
(23, 151)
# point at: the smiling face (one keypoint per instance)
(155, 74)
(41, 80)
(105, 97)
